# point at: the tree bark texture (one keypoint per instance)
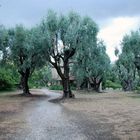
(67, 93)
(24, 82)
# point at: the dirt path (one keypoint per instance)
(39, 119)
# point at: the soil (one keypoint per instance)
(116, 113)
(90, 116)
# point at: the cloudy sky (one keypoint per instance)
(114, 17)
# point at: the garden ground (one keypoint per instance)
(103, 116)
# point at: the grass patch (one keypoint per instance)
(7, 91)
(110, 84)
(56, 87)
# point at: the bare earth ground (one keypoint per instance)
(120, 111)
(12, 118)
(104, 116)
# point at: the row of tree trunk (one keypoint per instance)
(92, 84)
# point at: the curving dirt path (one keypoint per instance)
(39, 119)
(47, 121)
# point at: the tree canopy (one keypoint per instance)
(26, 51)
(68, 43)
(128, 62)
(65, 36)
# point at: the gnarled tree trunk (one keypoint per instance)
(67, 93)
(66, 88)
(96, 84)
(127, 85)
(24, 82)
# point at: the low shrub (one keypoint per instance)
(59, 87)
(73, 88)
(138, 88)
(6, 80)
(56, 87)
(110, 84)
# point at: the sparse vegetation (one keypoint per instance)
(56, 87)
(6, 80)
(113, 85)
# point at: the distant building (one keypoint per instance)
(56, 78)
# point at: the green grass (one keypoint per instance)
(7, 90)
(110, 84)
(59, 87)
(56, 87)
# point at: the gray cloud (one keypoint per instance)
(30, 12)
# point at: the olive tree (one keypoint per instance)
(92, 65)
(126, 70)
(26, 50)
(64, 35)
(128, 64)
(61, 39)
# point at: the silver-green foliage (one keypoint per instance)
(92, 62)
(26, 48)
(128, 62)
(4, 44)
(60, 33)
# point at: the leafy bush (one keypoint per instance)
(59, 87)
(40, 78)
(138, 88)
(73, 87)
(56, 87)
(110, 84)
(6, 80)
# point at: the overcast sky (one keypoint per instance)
(114, 17)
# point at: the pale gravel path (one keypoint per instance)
(43, 120)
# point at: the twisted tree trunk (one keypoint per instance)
(67, 93)
(24, 82)
(64, 75)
